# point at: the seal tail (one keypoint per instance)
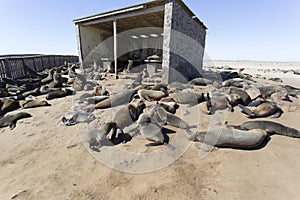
(247, 111)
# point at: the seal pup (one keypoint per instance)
(11, 120)
(96, 137)
(263, 109)
(270, 127)
(73, 118)
(151, 95)
(100, 91)
(230, 137)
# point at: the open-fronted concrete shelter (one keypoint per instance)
(165, 28)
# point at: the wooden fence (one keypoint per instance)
(14, 66)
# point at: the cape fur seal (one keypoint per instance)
(96, 137)
(264, 109)
(116, 100)
(230, 137)
(79, 82)
(11, 120)
(49, 78)
(95, 99)
(178, 87)
(34, 92)
(270, 127)
(73, 118)
(244, 95)
(221, 102)
(59, 93)
(100, 91)
(150, 131)
(57, 81)
(170, 107)
(267, 91)
(188, 98)
(200, 82)
(34, 103)
(150, 95)
(8, 105)
(128, 114)
(164, 117)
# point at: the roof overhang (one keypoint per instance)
(143, 8)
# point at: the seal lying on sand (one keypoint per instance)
(221, 102)
(59, 94)
(8, 105)
(95, 99)
(34, 103)
(11, 120)
(267, 91)
(164, 117)
(116, 100)
(128, 114)
(188, 98)
(73, 118)
(150, 131)
(49, 78)
(200, 82)
(264, 109)
(170, 107)
(178, 87)
(230, 137)
(95, 137)
(150, 95)
(270, 127)
(244, 95)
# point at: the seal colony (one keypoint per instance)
(153, 106)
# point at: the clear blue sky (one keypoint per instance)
(237, 29)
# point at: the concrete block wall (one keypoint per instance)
(184, 42)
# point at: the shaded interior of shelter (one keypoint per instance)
(138, 37)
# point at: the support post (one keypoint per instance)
(115, 46)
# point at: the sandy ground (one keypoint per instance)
(43, 159)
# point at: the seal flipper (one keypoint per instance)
(277, 114)
(12, 126)
(247, 111)
(65, 121)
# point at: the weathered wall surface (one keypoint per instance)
(90, 38)
(94, 44)
(184, 42)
